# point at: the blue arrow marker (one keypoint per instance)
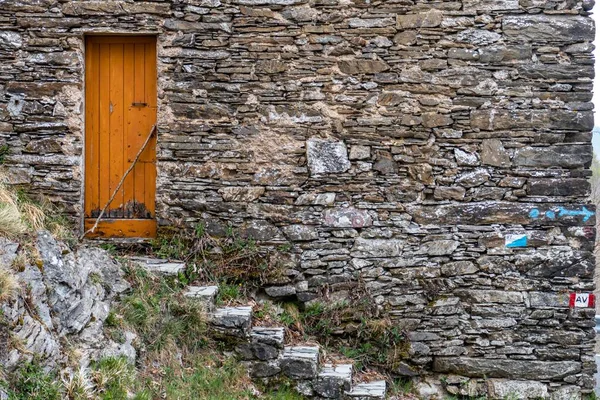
(587, 214)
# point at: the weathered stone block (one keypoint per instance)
(495, 119)
(360, 153)
(558, 187)
(502, 368)
(490, 5)
(569, 156)
(10, 39)
(300, 362)
(449, 193)
(232, 321)
(502, 212)
(375, 390)
(380, 248)
(355, 67)
(438, 247)
(503, 388)
(326, 156)
(347, 218)
(429, 19)
(473, 178)
(494, 153)
(280, 291)
(333, 380)
(548, 28)
(244, 194)
(300, 233)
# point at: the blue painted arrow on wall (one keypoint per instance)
(563, 212)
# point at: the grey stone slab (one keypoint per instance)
(300, 362)
(204, 294)
(505, 388)
(160, 266)
(233, 321)
(266, 335)
(333, 380)
(503, 368)
(368, 391)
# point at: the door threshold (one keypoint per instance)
(121, 228)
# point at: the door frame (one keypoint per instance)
(82, 169)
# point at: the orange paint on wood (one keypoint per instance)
(138, 113)
(129, 151)
(92, 162)
(104, 126)
(120, 77)
(116, 168)
(124, 227)
(150, 152)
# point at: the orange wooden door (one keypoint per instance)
(120, 111)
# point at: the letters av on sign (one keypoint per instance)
(582, 300)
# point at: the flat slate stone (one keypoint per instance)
(265, 344)
(300, 362)
(270, 336)
(233, 321)
(205, 294)
(501, 368)
(368, 391)
(333, 380)
(160, 266)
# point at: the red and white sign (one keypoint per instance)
(582, 300)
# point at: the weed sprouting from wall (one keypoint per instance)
(230, 259)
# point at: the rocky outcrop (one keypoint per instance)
(63, 301)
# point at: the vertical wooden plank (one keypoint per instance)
(104, 124)
(151, 98)
(116, 127)
(140, 122)
(129, 150)
(92, 143)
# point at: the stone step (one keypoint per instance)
(265, 344)
(159, 266)
(206, 295)
(232, 321)
(333, 380)
(266, 335)
(368, 391)
(300, 362)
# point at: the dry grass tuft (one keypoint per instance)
(19, 213)
(8, 285)
(78, 385)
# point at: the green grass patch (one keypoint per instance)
(160, 314)
(31, 382)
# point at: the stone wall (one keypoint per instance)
(399, 141)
